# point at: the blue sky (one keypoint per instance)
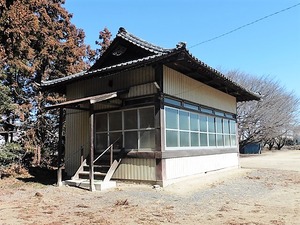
(270, 47)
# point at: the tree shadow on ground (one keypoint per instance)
(40, 175)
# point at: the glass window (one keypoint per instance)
(194, 139)
(116, 136)
(219, 123)
(115, 121)
(130, 119)
(101, 122)
(101, 141)
(227, 140)
(218, 113)
(171, 118)
(133, 128)
(190, 106)
(212, 139)
(183, 120)
(229, 115)
(205, 110)
(203, 123)
(192, 129)
(147, 139)
(172, 101)
(211, 124)
(220, 141)
(171, 138)
(232, 127)
(203, 139)
(184, 139)
(131, 139)
(194, 123)
(233, 140)
(226, 126)
(147, 117)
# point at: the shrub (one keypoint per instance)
(11, 153)
(11, 157)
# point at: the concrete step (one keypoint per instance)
(97, 168)
(97, 175)
(85, 183)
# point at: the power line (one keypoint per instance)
(245, 25)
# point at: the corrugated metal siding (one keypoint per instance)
(179, 85)
(186, 166)
(114, 104)
(143, 89)
(77, 136)
(136, 169)
(118, 81)
(77, 122)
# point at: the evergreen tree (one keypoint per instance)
(104, 41)
(6, 103)
(37, 42)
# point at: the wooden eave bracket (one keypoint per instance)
(92, 100)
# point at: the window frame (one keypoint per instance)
(210, 135)
(140, 131)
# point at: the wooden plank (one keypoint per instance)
(112, 170)
(79, 170)
(91, 99)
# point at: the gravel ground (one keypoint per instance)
(246, 196)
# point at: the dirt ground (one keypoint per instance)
(264, 191)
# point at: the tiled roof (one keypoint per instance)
(85, 74)
(122, 33)
(62, 79)
(222, 76)
(158, 54)
(141, 43)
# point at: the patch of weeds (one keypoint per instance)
(121, 202)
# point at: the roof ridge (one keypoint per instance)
(126, 63)
(67, 77)
(123, 33)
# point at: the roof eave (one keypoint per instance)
(61, 83)
(237, 91)
(241, 93)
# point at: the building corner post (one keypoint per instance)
(60, 146)
(91, 167)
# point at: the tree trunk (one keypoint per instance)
(37, 156)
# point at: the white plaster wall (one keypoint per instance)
(187, 166)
